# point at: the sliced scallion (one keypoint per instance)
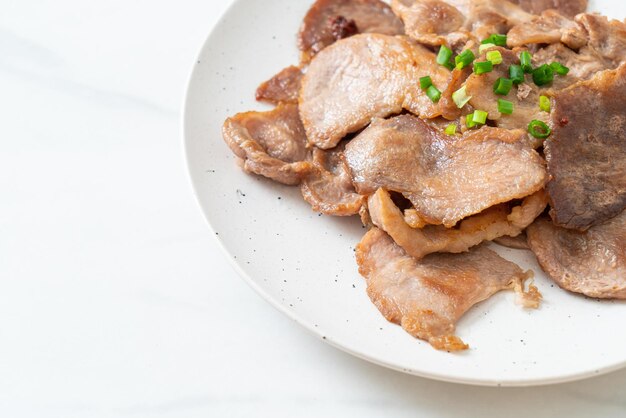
(543, 75)
(425, 82)
(502, 86)
(451, 129)
(505, 107)
(444, 56)
(544, 104)
(483, 67)
(464, 59)
(433, 94)
(559, 68)
(539, 129)
(516, 74)
(526, 61)
(484, 47)
(495, 57)
(480, 117)
(460, 97)
(496, 39)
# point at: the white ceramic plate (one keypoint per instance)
(304, 264)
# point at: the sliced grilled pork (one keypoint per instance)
(283, 87)
(551, 27)
(607, 38)
(330, 20)
(429, 296)
(569, 8)
(271, 144)
(444, 177)
(328, 188)
(583, 65)
(432, 22)
(592, 263)
(495, 222)
(586, 153)
(363, 77)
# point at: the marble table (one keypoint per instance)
(115, 300)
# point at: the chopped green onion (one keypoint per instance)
(505, 107)
(460, 97)
(544, 104)
(495, 57)
(469, 120)
(451, 129)
(433, 94)
(483, 47)
(464, 59)
(496, 39)
(543, 75)
(444, 56)
(483, 67)
(559, 68)
(526, 61)
(480, 117)
(539, 129)
(426, 82)
(502, 86)
(516, 74)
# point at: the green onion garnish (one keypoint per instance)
(559, 68)
(496, 39)
(543, 75)
(464, 59)
(505, 107)
(544, 104)
(483, 67)
(480, 117)
(425, 82)
(502, 86)
(495, 57)
(539, 129)
(516, 74)
(469, 120)
(526, 61)
(451, 129)
(444, 56)
(433, 94)
(460, 97)
(483, 47)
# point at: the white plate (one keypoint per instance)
(304, 264)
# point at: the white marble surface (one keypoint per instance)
(114, 298)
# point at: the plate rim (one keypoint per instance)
(448, 378)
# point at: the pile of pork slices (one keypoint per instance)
(353, 128)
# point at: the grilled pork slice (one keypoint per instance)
(328, 189)
(330, 20)
(432, 22)
(271, 144)
(551, 27)
(592, 263)
(363, 77)
(586, 153)
(604, 47)
(569, 8)
(583, 65)
(607, 38)
(283, 87)
(495, 222)
(445, 178)
(427, 297)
